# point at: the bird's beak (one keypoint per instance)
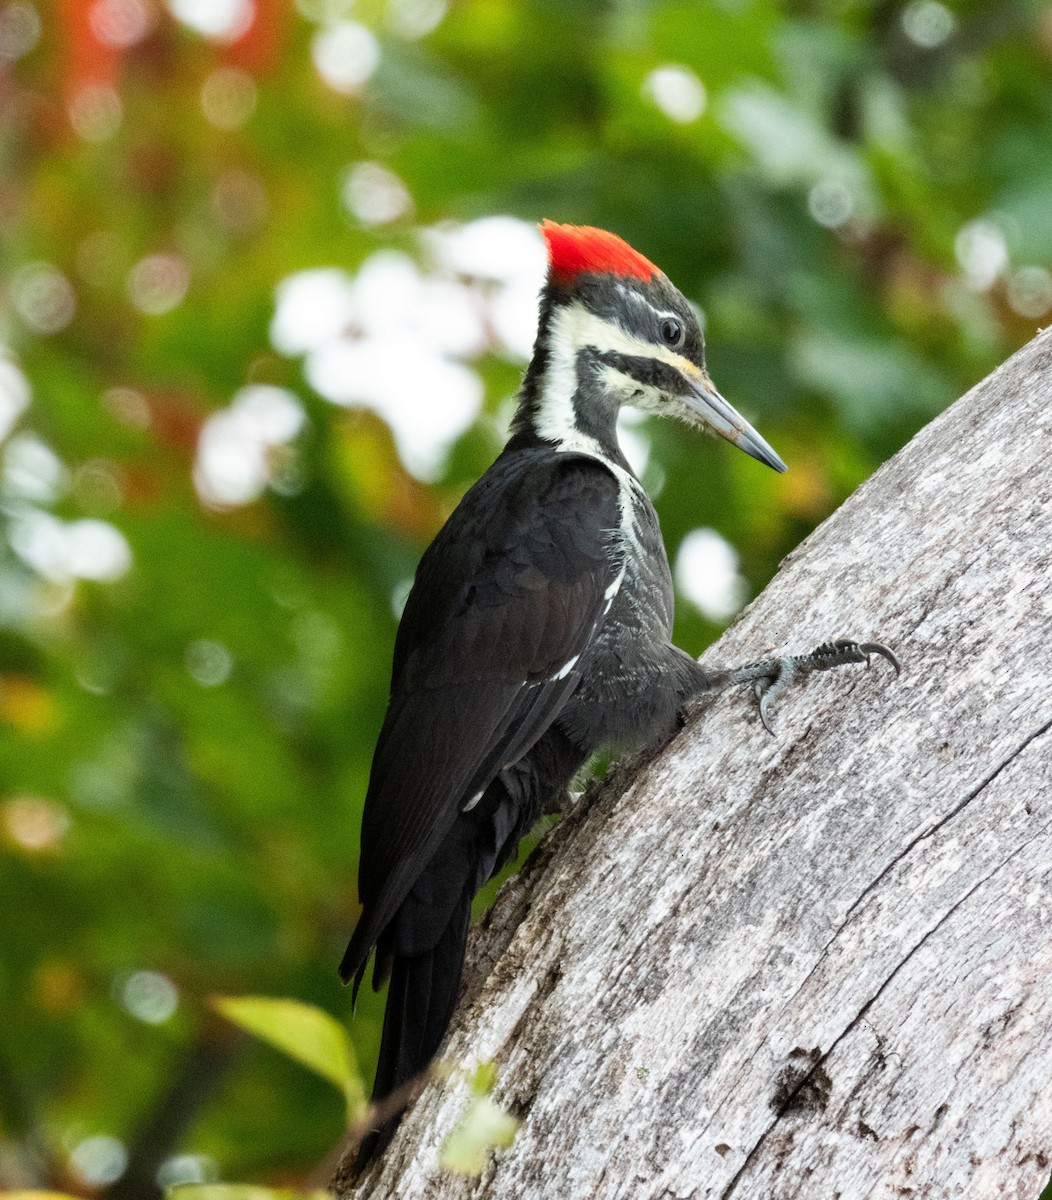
(721, 417)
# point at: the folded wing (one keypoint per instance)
(506, 605)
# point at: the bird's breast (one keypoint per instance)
(632, 642)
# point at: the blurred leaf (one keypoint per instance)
(484, 1127)
(485, 1078)
(306, 1033)
(36, 1196)
(237, 1191)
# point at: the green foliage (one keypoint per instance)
(307, 1034)
(483, 1128)
(191, 680)
(37, 1196)
(228, 1191)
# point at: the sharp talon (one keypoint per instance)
(763, 715)
(769, 679)
(868, 648)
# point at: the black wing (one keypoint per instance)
(506, 603)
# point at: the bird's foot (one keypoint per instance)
(771, 678)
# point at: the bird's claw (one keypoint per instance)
(765, 708)
(775, 675)
(771, 685)
(842, 651)
(870, 648)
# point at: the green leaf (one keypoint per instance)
(36, 1196)
(235, 1191)
(484, 1127)
(306, 1033)
(485, 1078)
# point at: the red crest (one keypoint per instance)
(574, 249)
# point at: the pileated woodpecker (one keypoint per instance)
(537, 631)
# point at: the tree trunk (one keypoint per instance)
(816, 965)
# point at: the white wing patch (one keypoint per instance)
(473, 801)
(613, 589)
(567, 667)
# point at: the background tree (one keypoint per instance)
(256, 342)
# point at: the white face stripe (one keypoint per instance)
(554, 419)
(642, 396)
(575, 328)
(633, 295)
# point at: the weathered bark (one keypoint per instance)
(817, 965)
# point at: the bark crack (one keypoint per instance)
(933, 829)
(823, 954)
(820, 1060)
(938, 592)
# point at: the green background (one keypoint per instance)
(861, 209)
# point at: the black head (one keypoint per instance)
(611, 318)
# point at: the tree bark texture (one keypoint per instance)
(818, 964)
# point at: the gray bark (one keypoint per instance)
(817, 965)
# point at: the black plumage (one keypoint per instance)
(511, 591)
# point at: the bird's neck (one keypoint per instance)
(564, 402)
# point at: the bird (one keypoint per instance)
(536, 633)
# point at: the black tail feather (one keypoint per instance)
(420, 1004)
(425, 939)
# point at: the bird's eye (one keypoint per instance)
(672, 333)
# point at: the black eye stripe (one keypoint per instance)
(651, 372)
